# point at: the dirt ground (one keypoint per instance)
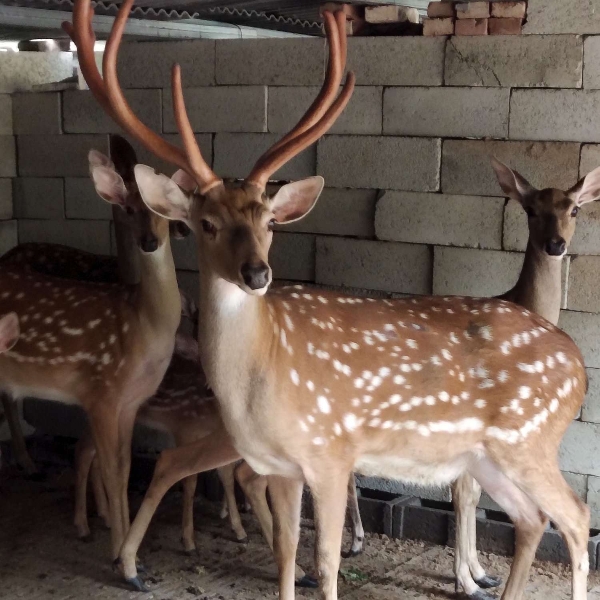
(40, 557)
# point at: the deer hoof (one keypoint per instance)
(244, 540)
(141, 567)
(137, 584)
(488, 582)
(307, 582)
(350, 553)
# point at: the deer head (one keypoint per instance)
(9, 331)
(551, 213)
(233, 223)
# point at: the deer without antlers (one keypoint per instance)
(313, 385)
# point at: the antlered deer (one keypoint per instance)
(314, 384)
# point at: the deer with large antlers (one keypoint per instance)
(313, 385)
(551, 221)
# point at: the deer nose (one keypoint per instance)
(556, 247)
(255, 276)
(149, 243)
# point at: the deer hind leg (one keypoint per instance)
(11, 411)
(227, 477)
(470, 576)
(126, 425)
(187, 521)
(358, 533)
(85, 452)
(99, 493)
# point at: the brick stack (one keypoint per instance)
(474, 18)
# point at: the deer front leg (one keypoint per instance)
(85, 451)
(99, 493)
(187, 522)
(126, 425)
(11, 410)
(358, 533)
(211, 452)
(226, 475)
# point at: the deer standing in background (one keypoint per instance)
(313, 385)
(551, 220)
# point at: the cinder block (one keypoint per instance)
(440, 219)
(8, 236)
(591, 71)
(594, 500)
(583, 284)
(83, 114)
(474, 272)
(361, 116)
(492, 535)
(20, 71)
(587, 235)
(83, 202)
(374, 265)
(339, 212)
(380, 162)
(8, 157)
(397, 60)
(292, 256)
(438, 27)
(376, 515)
(472, 10)
(6, 199)
(590, 158)
(270, 62)
(446, 112)
(509, 10)
(91, 236)
(466, 167)
(399, 488)
(39, 198)
(584, 328)
(148, 64)
(231, 108)
(576, 16)
(6, 117)
(552, 61)
(508, 26)
(561, 115)
(578, 483)
(470, 27)
(236, 153)
(591, 406)
(422, 522)
(185, 253)
(37, 113)
(57, 155)
(579, 452)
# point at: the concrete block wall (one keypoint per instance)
(411, 204)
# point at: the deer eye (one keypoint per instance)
(129, 210)
(271, 224)
(575, 211)
(208, 227)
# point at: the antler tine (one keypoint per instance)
(336, 35)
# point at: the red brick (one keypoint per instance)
(438, 10)
(433, 27)
(471, 27)
(505, 26)
(473, 10)
(509, 10)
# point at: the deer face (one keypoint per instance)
(233, 225)
(551, 212)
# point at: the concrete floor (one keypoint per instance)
(41, 559)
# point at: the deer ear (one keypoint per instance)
(9, 331)
(109, 184)
(162, 195)
(97, 159)
(295, 200)
(586, 189)
(513, 184)
(184, 180)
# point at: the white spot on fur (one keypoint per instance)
(323, 405)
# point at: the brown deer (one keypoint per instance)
(9, 331)
(313, 385)
(551, 220)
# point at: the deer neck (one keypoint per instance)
(539, 286)
(127, 250)
(158, 293)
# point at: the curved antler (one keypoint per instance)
(109, 95)
(321, 114)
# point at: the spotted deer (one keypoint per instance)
(315, 384)
(551, 221)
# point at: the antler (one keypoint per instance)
(109, 95)
(321, 114)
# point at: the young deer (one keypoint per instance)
(551, 219)
(313, 385)
(102, 346)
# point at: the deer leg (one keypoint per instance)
(11, 411)
(329, 490)
(226, 475)
(84, 456)
(358, 533)
(126, 425)
(529, 522)
(187, 524)
(211, 452)
(286, 499)
(99, 493)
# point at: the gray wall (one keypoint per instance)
(411, 206)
